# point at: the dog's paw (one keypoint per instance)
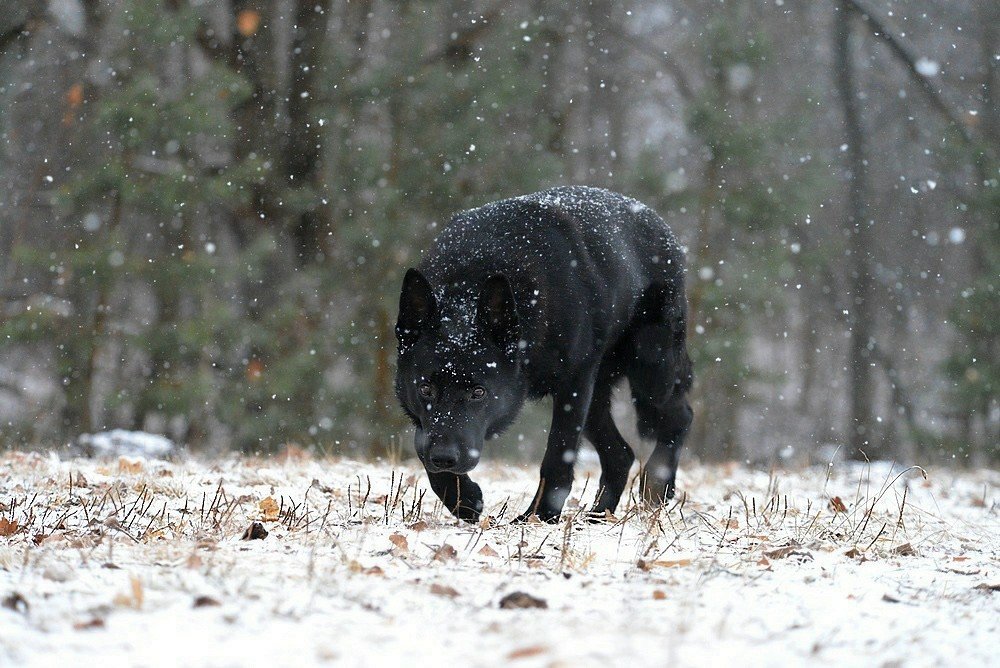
(537, 517)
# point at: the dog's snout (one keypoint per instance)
(444, 458)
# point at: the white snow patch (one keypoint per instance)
(121, 442)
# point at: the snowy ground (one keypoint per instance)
(142, 564)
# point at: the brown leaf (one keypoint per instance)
(659, 595)
(526, 652)
(373, 570)
(792, 550)
(444, 590)
(7, 527)
(419, 526)
(92, 623)
(488, 551)
(293, 453)
(399, 540)
(255, 531)
(15, 602)
(134, 598)
(662, 563)
(247, 22)
(445, 553)
(204, 602)
(519, 599)
(905, 550)
(763, 562)
(269, 509)
(837, 505)
(129, 466)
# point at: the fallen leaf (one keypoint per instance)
(837, 505)
(763, 562)
(488, 551)
(525, 652)
(905, 550)
(445, 553)
(659, 595)
(418, 526)
(15, 602)
(663, 563)
(92, 623)
(269, 509)
(444, 590)
(399, 540)
(7, 527)
(520, 599)
(134, 598)
(293, 453)
(373, 570)
(255, 531)
(793, 550)
(130, 466)
(205, 602)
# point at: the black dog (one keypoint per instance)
(559, 293)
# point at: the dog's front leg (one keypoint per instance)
(459, 494)
(569, 414)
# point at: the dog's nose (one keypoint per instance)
(444, 460)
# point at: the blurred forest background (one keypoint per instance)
(206, 207)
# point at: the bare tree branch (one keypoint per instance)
(905, 53)
(650, 49)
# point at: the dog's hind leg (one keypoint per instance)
(462, 497)
(614, 452)
(660, 378)
(658, 477)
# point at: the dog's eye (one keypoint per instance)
(477, 393)
(426, 390)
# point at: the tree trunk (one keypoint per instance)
(303, 152)
(861, 317)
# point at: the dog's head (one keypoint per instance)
(459, 375)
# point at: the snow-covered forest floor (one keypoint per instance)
(142, 563)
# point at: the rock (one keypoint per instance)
(121, 442)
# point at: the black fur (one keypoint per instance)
(562, 293)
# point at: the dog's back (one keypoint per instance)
(580, 261)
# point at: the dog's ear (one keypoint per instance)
(497, 312)
(417, 307)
